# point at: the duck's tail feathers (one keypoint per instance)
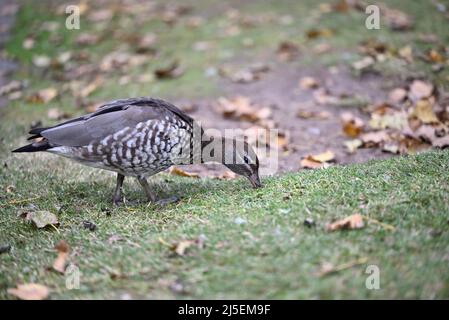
(35, 146)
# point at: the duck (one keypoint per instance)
(140, 137)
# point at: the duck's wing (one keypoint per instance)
(110, 118)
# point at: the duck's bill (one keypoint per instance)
(255, 180)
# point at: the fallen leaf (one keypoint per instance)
(241, 108)
(181, 247)
(323, 157)
(393, 120)
(91, 87)
(308, 83)
(28, 43)
(171, 71)
(424, 112)
(397, 95)
(391, 148)
(179, 172)
(85, 39)
(247, 75)
(57, 114)
(63, 252)
(373, 139)
(353, 145)
(41, 61)
(354, 221)
(352, 125)
(321, 115)
(287, 51)
(43, 96)
(323, 97)
(365, 63)
(146, 43)
(397, 20)
(30, 291)
(318, 161)
(317, 33)
(10, 87)
(406, 53)
(41, 218)
(434, 56)
(420, 90)
(308, 163)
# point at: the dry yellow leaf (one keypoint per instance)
(179, 172)
(323, 157)
(424, 112)
(63, 252)
(354, 221)
(30, 291)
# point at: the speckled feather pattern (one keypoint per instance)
(143, 150)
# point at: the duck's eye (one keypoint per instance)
(245, 158)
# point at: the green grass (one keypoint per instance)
(272, 255)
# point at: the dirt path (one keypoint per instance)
(279, 89)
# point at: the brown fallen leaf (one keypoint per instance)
(63, 252)
(352, 222)
(179, 172)
(352, 125)
(43, 96)
(323, 157)
(170, 72)
(435, 56)
(374, 139)
(321, 115)
(308, 163)
(241, 108)
(180, 248)
(30, 291)
(318, 161)
(420, 90)
(308, 83)
(287, 51)
(317, 33)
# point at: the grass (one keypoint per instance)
(272, 254)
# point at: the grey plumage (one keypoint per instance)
(134, 137)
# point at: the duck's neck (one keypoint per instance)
(217, 149)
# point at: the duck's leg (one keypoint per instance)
(152, 197)
(117, 199)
